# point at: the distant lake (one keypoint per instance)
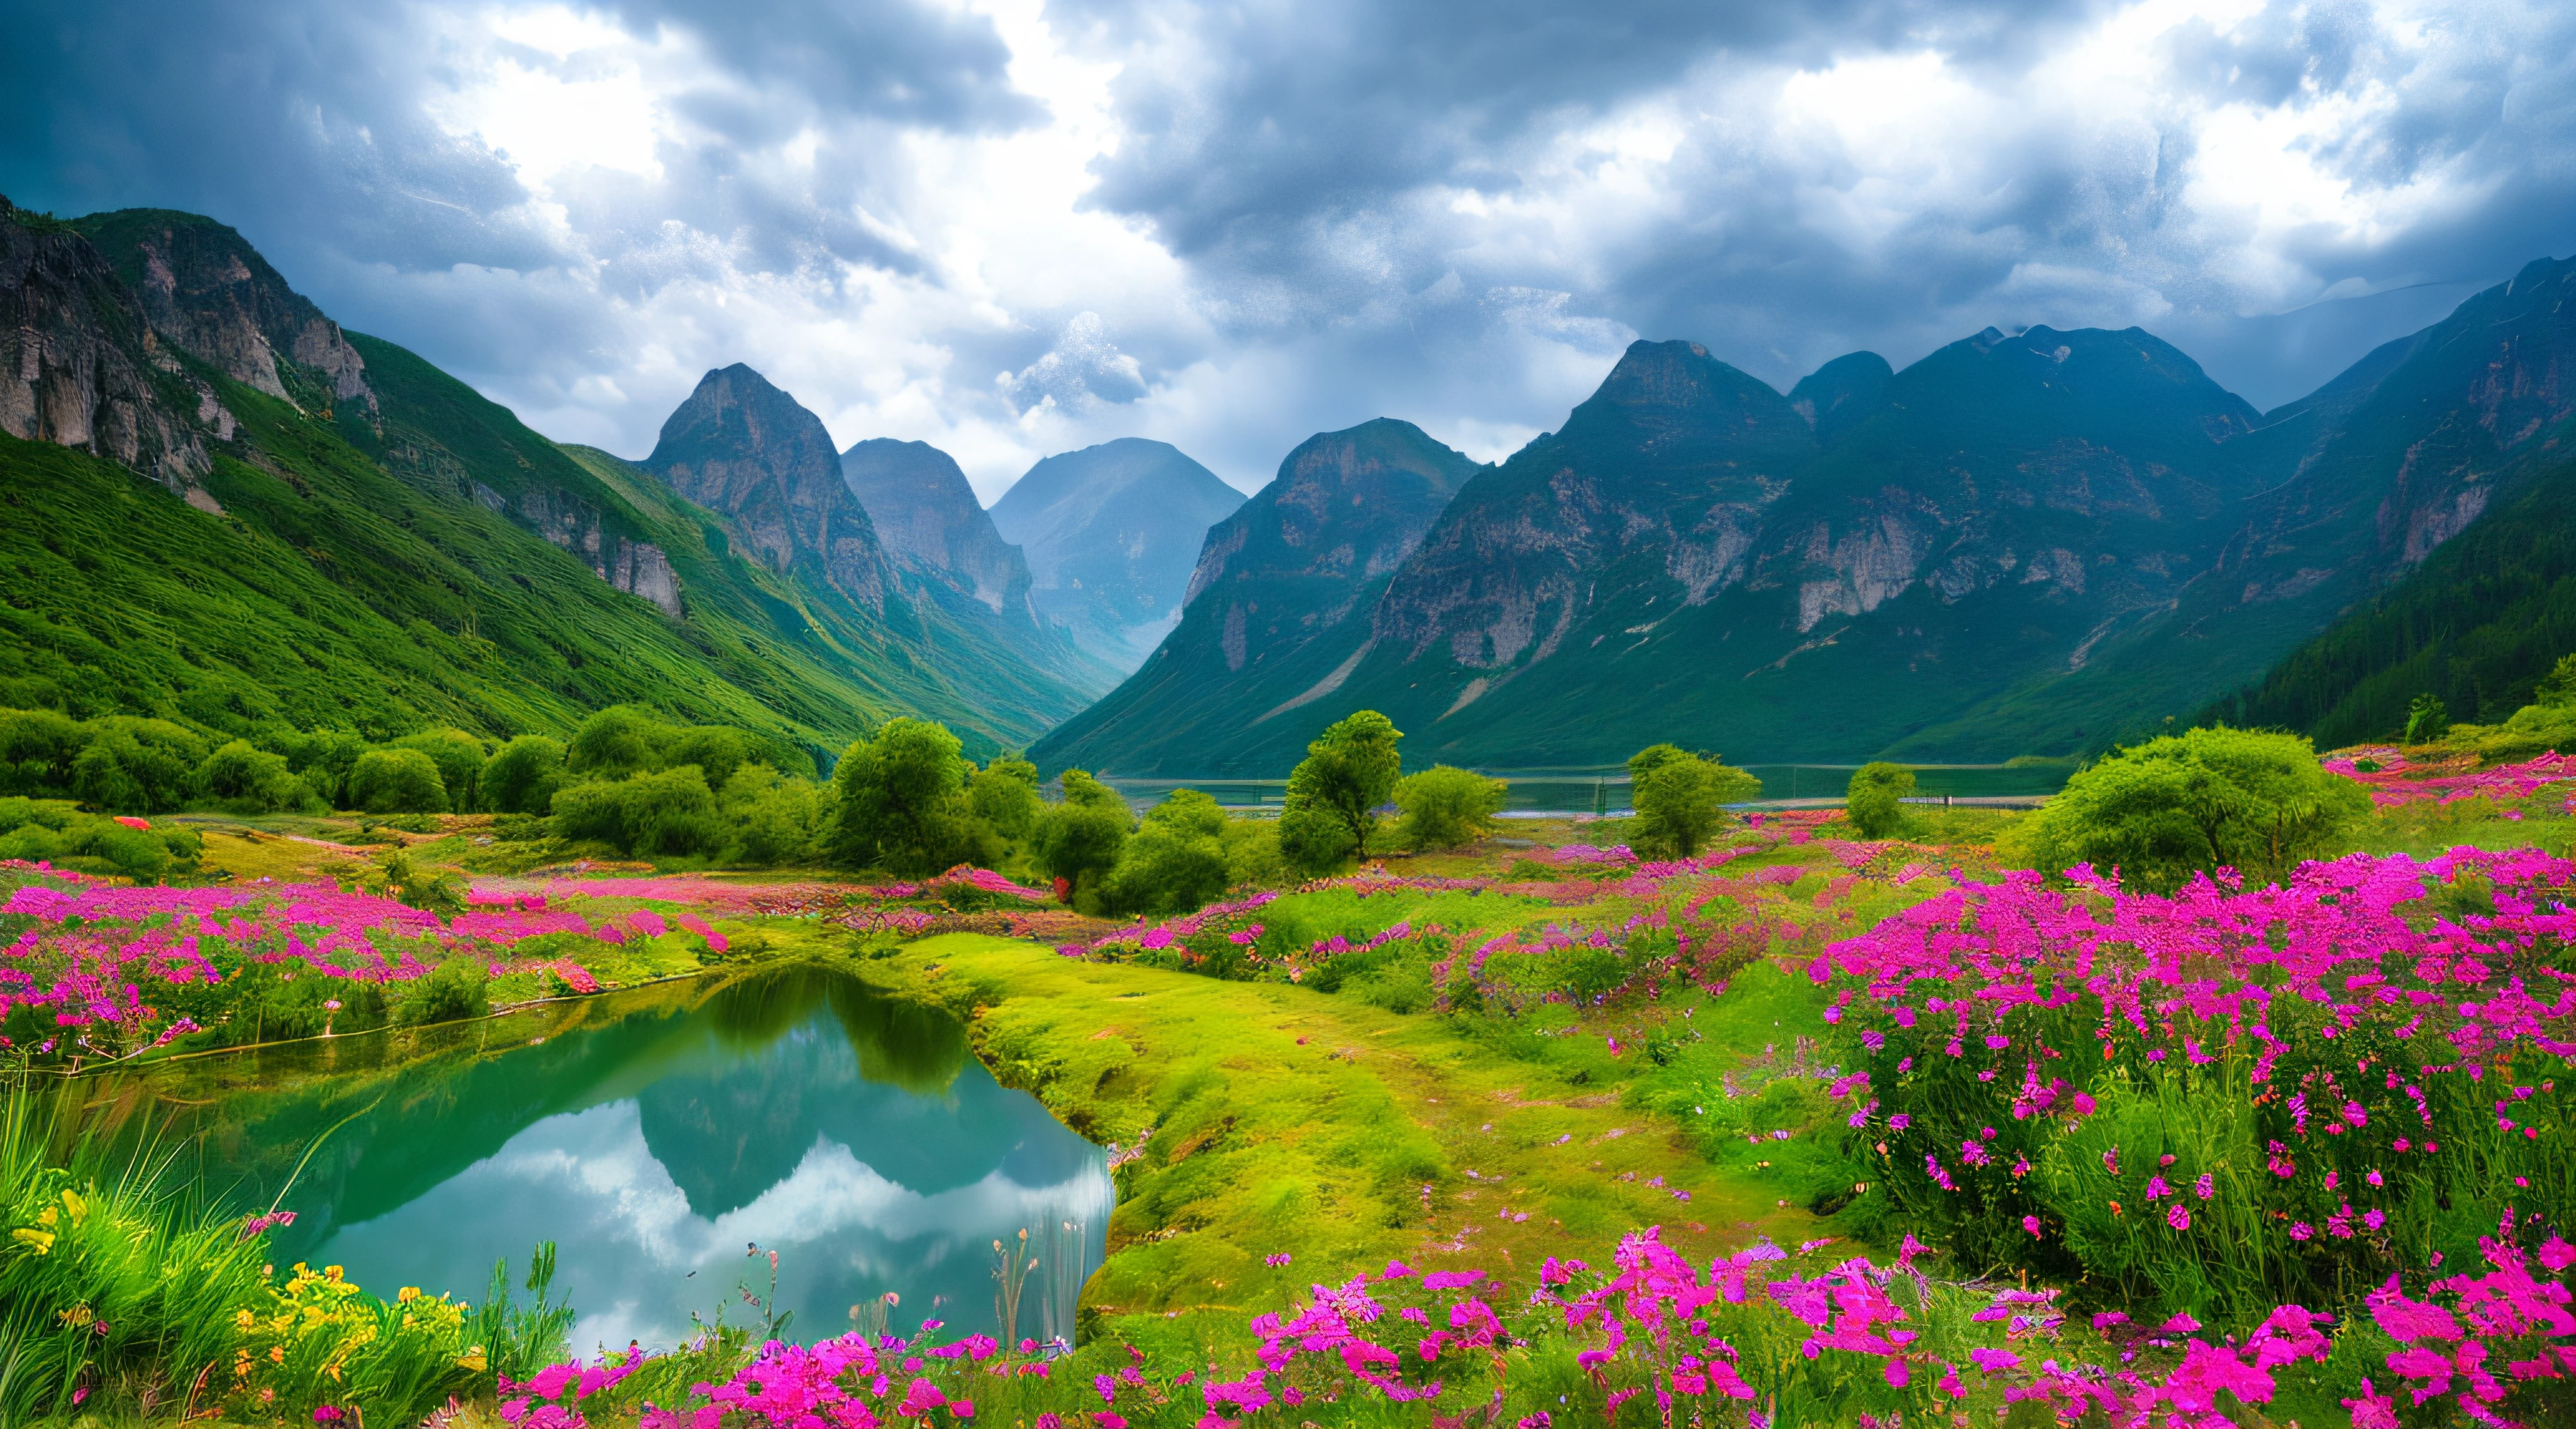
(653, 1134)
(1605, 789)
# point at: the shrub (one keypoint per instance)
(456, 989)
(37, 748)
(2427, 719)
(770, 818)
(667, 812)
(1176, 860)
(1875, 799)
(397, 781)
(1445, 807)
(240, 779)
(618, 741)
(1004, 794)
(715, 749)
(459, 757)
(137, 766)
(324, 759)
(1080, 839)
(2557, 689)
(2197, 802)
(523, 777)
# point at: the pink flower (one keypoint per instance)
(2178, 1218)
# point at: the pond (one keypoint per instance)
(653, 1135)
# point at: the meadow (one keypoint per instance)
(1804, 1127)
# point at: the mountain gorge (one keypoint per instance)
(2028, 544)
(1111, 534)
(338, 533)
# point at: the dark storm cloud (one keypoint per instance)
(905, 63)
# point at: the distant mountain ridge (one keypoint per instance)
(1111, 533)
(1278, 586)
(339, 533)
(2036, 543)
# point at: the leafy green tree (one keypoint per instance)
(1175, 862)
(2427, 719)
(1334, 792)
(397, 781)
(523, 777)
(323, 759)
(1080, 839)
(716, 749)
(902, 802)
(1678, 797)
(671, 813)
(1446, 807)
(1875, 798)
(459, 757)
(2557, 688)
(771, 817)
(137, 766)
(37, 748)
(2197, 802)
(618, 741)
(1004, 794)
(241, 779)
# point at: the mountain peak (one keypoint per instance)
(741, 445)
(1111, 533)
(927, 516)
(1835, 397)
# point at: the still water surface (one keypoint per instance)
(653, 1135)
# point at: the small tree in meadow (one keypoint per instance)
(1875, 799)
(1333, 793)
(459, 757)
(2427, 719)
(1079, 840)
(523, 777)
(1446, 807)
(1678, 797)
(1004, 794)
(2558, 687)
(1176, 860)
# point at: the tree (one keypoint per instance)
(1175, 862)
(37, 748)
(2427, 719)
(1875, 799)
(523, 777)
(1679, 795)
(902, 802)
(1334, 792)
(1004, 794)
(1445, 807)
(459, 757)
(397, 781)
(1079, 840)
(618, 741)
(241, 779)
(2197, 802)
(716, 749)
(137, 766)
(323, 759)
(2557, 688)
(772, 817)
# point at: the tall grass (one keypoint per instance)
(126, 1290)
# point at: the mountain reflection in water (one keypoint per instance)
(853, 1135)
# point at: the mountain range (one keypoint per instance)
(1111, 534)
(331, 531)
(2036, 543)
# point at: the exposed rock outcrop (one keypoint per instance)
(928, 520)
(741, 446)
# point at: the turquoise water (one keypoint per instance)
(1583, 791)
(654, 1135)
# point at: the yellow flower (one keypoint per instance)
(40, 1242)
(78, 1315)
(277, 1354)
(73, 1203)
(407, 1294)
(330, 1272)
(248, 1320)
(474, 1360)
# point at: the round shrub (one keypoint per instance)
(397, 781)
(459, 757)
(1875, 799)
(523, 777)
(241, 779)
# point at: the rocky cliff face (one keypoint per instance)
(742, 447)
(928, 519)
(207, 292)
(1277, 611)
(1111, 533)
(80, 366)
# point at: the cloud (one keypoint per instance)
(1231, 226)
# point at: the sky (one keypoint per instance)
(1016, 227)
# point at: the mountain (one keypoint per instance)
(1277, 611)
(2430, 521)
(929, 519)
(331, 531)
(1112, 533)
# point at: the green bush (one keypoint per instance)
(523, 777)
(666, 812)
(2194, 803)
(459, 757)
(324, 759)
(397, 781)
(137, 766)
(1004, 794)
(456, 989)
(770, 818)
(1081, 839)
(616, 742)
(1176, 860)
(2427, 719)
(1446, 807)
(1334, 792)
(902, 803)
(1875, 799)
(240, 779)
(37, 748)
